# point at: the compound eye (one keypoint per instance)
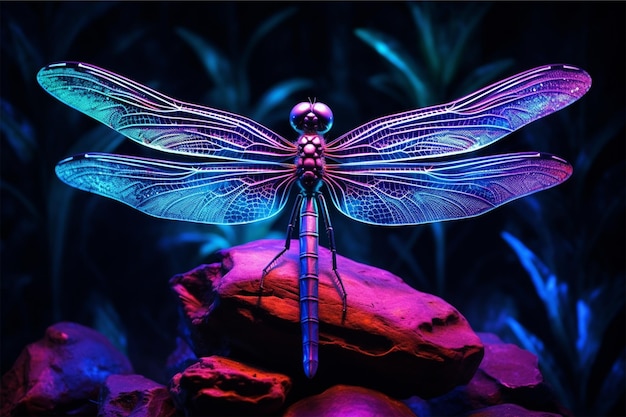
(309, 117)
(298, 114)
(324, 117)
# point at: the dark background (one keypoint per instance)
(67, 255)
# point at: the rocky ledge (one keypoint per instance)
(396, 352)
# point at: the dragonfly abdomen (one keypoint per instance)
(309, 279)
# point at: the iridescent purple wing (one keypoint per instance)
(158, 121)
(213, 192)
(463, 125)
(408, 194)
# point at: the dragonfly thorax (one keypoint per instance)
(310, 161)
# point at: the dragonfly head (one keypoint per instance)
(311, 117)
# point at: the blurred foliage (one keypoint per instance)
(444, 51)
(26, 142)
(583, 300)
(428, 77)
(578, 325)
(83, 258)
(231, 91)
(580, 312)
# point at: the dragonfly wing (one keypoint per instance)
(464, 125)
(160, 122)
(217, 193)
(408, 194)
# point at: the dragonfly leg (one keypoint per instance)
(333, 250)
(290, 227)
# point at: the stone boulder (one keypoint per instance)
(394, 338)
(62, 373)
(134, 396)
(343, 400)
(220, 386)
(508, 379)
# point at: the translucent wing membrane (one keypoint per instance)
(407, 194)
(378, 173)
(218, 193)
(464, 125)
(160, 122)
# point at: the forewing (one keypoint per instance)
(160, 122)
(464, 125)
(217, 193)
(409, 194)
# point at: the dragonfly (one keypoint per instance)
(397, 170)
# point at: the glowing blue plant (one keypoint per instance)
(231, 90)
(424, 77)
(579, 325)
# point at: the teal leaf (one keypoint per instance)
(277, 95)
(389, 49)
(266, 27)
(17, 131)
(26, 54)
(216, 64)
(484, 74)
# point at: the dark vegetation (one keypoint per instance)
(546, 272)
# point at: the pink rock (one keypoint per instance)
(507, 375)
(511, 366)
(510, 374)
(395, 339)
(61, 373)
(136, 396)
(220, 386)
(343, 400)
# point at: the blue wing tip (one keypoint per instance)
(62, 65)
(74, 158)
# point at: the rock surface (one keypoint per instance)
(395, 339)
(343, 400)
(62, 373)
(134, 396)
(220, 386)
(507, 375)
(395, 344)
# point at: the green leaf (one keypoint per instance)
(266, 27)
